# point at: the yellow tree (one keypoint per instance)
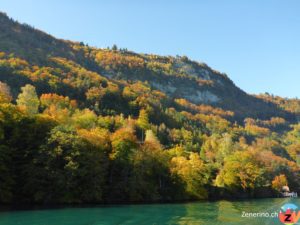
(193, 172)
(143, 121)
(241, 170)
(5, 95)
(278, 182)
(151, 139)
(123, 143)
(28, 100)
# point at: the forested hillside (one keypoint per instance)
(83, 124)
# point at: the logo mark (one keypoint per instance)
(289, 214)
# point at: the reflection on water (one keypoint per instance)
(200, 213)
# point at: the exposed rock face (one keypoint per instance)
(192, 95)
(202, 97)
(167, 88)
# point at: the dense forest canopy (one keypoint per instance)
(83, 124)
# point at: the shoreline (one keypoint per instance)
(35, 206)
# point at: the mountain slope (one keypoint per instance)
(80, 124)
(177, 77)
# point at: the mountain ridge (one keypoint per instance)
(178, 77)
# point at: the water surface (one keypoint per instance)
(200, 213)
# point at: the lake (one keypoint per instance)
(215, 213)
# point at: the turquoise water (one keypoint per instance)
(200, 213)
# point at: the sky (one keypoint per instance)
(255, 42)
